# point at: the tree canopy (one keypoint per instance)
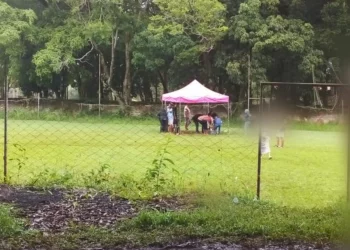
(142, 47)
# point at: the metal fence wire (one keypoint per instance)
(80, 144)
(324, 151)
(50, 143)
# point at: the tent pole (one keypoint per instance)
(179, 119)
(228, 117)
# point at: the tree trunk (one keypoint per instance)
(46, 93)
(249, 88)
(242, 93)
(64, 83)
(164, 80)
(108, 72)
(156, 90)
(208, 70)
(127, 77)
(147, 90)
(221, 84)
(324, 97)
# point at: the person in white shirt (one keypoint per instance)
(265, 145)
(170, 114)
(187, 115)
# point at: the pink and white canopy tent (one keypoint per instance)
(195, 92)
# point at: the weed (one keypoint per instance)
(19, 158)
(97, 178)
(156, 174)
(10, 226)
(49, 178)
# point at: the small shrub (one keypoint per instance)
(49, 178)
(97, 178)
(9, 225)
(19, 158)
(156, 174)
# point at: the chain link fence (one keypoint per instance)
(121, 150)
(80, 144)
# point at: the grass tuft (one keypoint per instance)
(249, 219)
(9, 225)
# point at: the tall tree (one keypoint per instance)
(14, 25)
(202, 20)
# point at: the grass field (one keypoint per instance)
(309, 171)
(302, 185)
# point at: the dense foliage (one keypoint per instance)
(147, 46)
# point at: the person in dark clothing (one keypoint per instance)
(163, 119)
(176, 119)
(196, 122)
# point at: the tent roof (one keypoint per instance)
(195, 92)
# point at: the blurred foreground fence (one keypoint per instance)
(66, 143)
(81, 144)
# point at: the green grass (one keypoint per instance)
(247, 219)
(310, 171)
(302, 187)
(10, 225)
(246, 222)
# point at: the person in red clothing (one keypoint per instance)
(206, 121)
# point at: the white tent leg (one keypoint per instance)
(228, 118)
(179, 122)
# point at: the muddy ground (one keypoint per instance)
(57, 210)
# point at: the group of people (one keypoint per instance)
(265, 139)
(169, 121)
(211, 123)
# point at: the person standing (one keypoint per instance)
(217, 124)
(176, 120)
(163, 119)
(265, 145)
(170, 115)
(280, 135)
(187, 115)
(247, 120)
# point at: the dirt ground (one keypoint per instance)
(56, 210)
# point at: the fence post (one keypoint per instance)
(259, 146)
(38, 105)
(5, 119)
(99, 85)
(348, 163)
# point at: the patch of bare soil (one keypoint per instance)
(57, 210)
(54, 211)
(198, 245)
